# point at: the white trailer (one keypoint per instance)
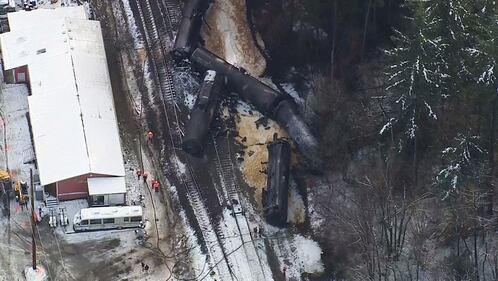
(108, 218)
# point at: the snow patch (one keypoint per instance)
(138, 41)
(182, 168)
(18, 149)
(186, 87)
(296, 210)
(189, 100)
(246, 109)
(387, 126)
(198, 260)
(289, 89)
(243, 254)
(296, 253)
(308, 255)
(38, 274)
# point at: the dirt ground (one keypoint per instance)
(227, 34)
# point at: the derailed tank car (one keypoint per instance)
(188, 31)
(275, 196)
(202, 114)
(249, 88)
(274, 104)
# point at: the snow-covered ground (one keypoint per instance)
(136, 58)
(47, 4)
(296, 253)
(131, 24)
(296, 212)
(289, 89)
(16, 148)
(246, 252)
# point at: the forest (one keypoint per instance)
(404, 99)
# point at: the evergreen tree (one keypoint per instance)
(464, 165)
(460, 27)
(486, 68)
(415, 76)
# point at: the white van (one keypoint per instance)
(108, 218)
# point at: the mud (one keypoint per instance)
(253, 138)
(227, 34)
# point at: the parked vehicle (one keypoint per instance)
(21, 190)
(5, 181)
(102, 218)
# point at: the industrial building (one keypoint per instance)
(71, 107)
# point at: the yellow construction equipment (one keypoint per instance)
(5, 183)
(4, 175)
(21, 190)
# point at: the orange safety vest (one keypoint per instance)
(156, 184)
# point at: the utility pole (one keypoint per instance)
(140, 125)
(33, 245)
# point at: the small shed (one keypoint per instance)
(106, 191)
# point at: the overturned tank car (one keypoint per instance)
(275, 196)
(188, 35)
(268, 101)
(249, 88)
(202, 114)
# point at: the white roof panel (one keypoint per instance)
(27, 45)
(44, 81)
(58, 137)
(39, 18)
(107, 185)
(110, 212)
(71, 108)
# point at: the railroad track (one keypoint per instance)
(162, 69)
(225, 166)
(226, 170)
(159, 39)
(173, 13)
(157, 46)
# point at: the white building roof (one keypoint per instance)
(110, 212)
(71, 108)
(37, 18)
(107, 185)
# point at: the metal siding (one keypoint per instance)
(74, 188)
(116, 199)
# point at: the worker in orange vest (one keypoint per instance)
(150, 135)
(156, 185)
